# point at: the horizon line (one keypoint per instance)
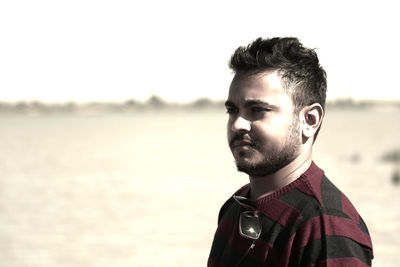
(158, 99)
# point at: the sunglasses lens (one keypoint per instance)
(250, 225)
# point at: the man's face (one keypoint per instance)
(263, 132)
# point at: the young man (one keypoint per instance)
(290, 214)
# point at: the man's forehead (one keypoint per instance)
(252, 87)
(274, 76)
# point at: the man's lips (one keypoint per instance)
(241, 143)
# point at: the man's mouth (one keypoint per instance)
(241, 143)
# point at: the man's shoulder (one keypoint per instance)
(331, 200)
(324, 208)
(316, 195)
(316, 191)
(315, 188)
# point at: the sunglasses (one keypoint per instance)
(249, 227)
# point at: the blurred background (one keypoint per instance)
(112, 126)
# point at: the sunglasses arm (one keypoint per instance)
(247, 252)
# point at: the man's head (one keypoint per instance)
(275, 103)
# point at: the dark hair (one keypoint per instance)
(302, 75)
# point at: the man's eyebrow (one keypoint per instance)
(249, 103)
(229, 104)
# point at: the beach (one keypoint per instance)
(145, 188)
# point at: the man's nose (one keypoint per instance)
(241, 125)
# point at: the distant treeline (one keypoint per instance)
(155, 103)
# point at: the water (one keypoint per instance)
(145, 189)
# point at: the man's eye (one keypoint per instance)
(231, 110)
(258, 109)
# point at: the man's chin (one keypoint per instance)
(255, 172)
(257, 169)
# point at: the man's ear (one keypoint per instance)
(311, 118)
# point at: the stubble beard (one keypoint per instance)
(274, 159)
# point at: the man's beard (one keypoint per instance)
(274, 159)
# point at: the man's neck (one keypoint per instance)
(266, 185)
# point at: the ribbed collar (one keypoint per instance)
(241, 196)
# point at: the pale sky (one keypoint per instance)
(103, 50)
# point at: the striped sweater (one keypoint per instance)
(306, 223)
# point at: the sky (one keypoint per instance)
(103, 50)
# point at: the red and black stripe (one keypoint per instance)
(308, 223)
